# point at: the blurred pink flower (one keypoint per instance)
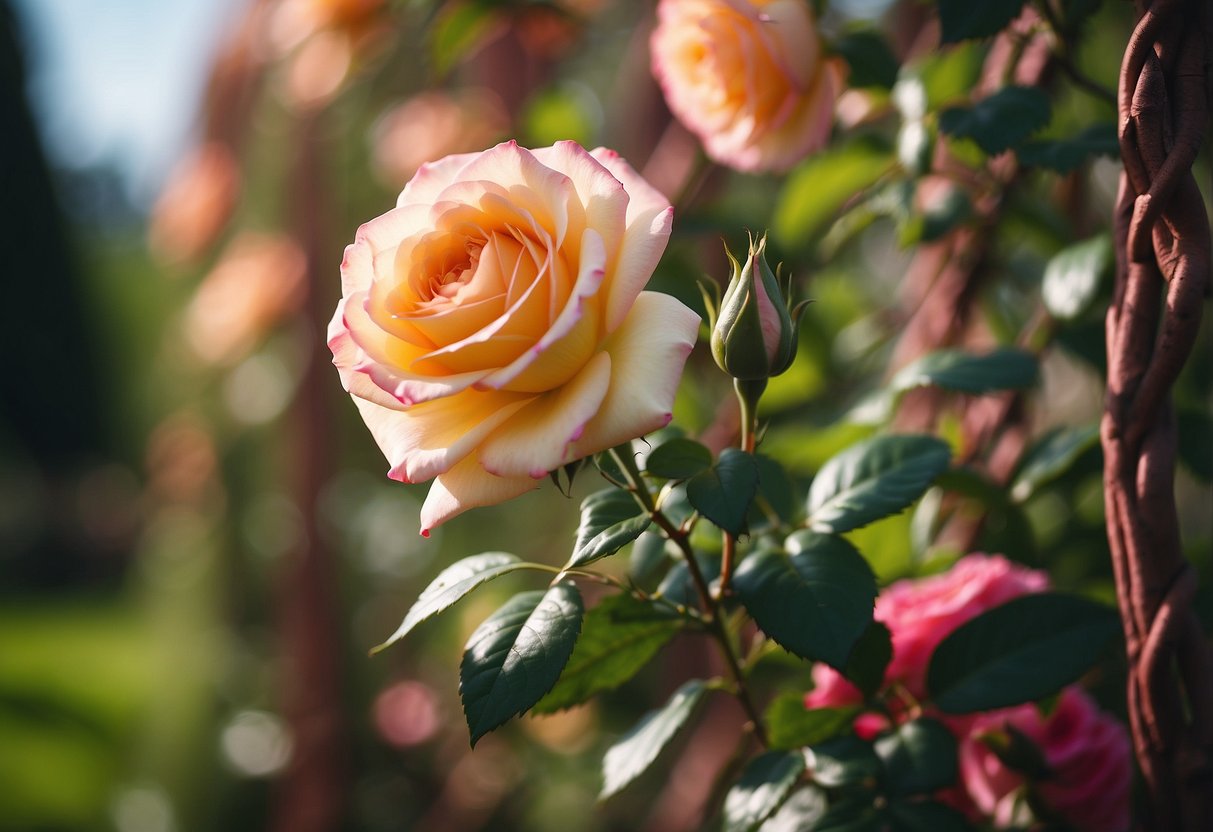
(921, 613)
(749, 77)
(434, 124)
(1089, 754)
(258, 281)
(1087, 750)
(195, 205)
(407, 713)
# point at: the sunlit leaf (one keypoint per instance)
(790, 724)
(842, 761)
(631, 756)
(678, 459)
(874, 479)
(610, 520)
(1050, 456)
(516, 655)
(815, 603)
(764, 784)
(618, 638)
(1073, 277)
(815, 192)
(799, 812)
(1001, 369)
(452, 583)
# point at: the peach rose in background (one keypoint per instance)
(433, 124)
(492, 326)
(748, 77)
(1087, 750)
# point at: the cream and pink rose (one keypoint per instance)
(749, 77)
(493, 326)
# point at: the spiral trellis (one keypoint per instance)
(1162, 276)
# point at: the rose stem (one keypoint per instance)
(623, 456)
(748, 393)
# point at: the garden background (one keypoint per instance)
(198, 543)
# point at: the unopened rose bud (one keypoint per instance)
(754, 329)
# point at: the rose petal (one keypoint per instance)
(574, 334)
(649, 220)
(385, 359)
(381, 234)
(538, 438)
(647, 355)
(543, 191)
(429, 439)
(465, 486)
(603, 195)
(432, 178)
(347, 356)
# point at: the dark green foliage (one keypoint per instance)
(1026, 649)
(815, 603)
(1001, 121)
(618, 638)
(610, 520)
(874, 479)
(516, 655)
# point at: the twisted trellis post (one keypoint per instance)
(1162, 275)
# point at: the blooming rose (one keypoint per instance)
(1087, 751)
(492, 326)
(921, 613)
(748, 77)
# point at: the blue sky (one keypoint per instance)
(119, 80)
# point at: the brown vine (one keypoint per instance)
(1162, 276)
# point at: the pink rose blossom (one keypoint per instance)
(1089, 754)
(1087, 751)
(921, 613)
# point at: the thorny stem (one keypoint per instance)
(711, 616)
